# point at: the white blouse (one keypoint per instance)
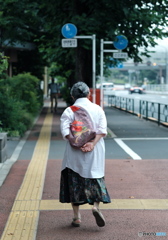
(86, 164)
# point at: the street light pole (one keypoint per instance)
(166, 62)
(166, 67)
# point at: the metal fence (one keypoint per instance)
(123, 103)
(162, 88)
(154, 111)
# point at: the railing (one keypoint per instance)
(157, 88)
(122, 103)
(154, 111)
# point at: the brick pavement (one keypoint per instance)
(29, 195)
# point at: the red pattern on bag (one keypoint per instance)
(81, 129)
(74, 108)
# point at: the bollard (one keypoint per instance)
(3, 147)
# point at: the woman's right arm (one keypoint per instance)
(66, 119)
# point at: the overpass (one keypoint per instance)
(139, 66)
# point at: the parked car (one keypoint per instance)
(139, 90)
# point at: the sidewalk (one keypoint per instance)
(30, 209)
(14, 148)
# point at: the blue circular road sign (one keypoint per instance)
(69, 30)
(120, 42)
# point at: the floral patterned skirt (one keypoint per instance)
(79, 190)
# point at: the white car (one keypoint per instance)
(127, 86)
(107, 88)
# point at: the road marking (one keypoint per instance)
(132, 139)
(129, 204)
(127, 149)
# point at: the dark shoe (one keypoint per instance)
(76, 222)
(99, 217)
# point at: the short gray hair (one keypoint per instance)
(79, 90)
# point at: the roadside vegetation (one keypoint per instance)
(39, 23)
(20, 101)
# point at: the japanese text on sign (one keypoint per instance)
(120, 55)
(68, 43)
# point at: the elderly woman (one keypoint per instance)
(82, 175)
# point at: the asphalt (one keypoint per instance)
(30, 178)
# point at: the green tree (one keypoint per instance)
(3, 63)
(140, 21)
(21, 24)
(137, 20)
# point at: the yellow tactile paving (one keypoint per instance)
(23, 219)
(21, 225)
(31, 205)
(134, 204)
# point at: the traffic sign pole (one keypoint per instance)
(101, 71)
(120, 44)
(69, 31)
(102, 50)
(93, 38)
(94, 66)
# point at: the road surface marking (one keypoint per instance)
(129, 204)
(132, 139)
(127, 149)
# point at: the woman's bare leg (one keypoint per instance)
(77, 217)
(76, 211)
(96, 204)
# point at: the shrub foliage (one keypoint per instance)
(20, 101)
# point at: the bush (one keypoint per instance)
(25, 88)
(20, 100)
(13, 116)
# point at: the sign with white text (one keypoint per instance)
(120, 55)
(69, 43)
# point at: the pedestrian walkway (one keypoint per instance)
(29, 195)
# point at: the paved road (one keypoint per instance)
(29, 196)
(135, 137)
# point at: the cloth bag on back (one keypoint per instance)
(81, 129)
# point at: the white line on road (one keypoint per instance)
(132, 139)
(127, 149)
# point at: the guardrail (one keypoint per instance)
(154, 111)
(157, 88)
(157, 112)
(123, 103)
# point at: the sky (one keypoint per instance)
(163, 42)
(161, 47)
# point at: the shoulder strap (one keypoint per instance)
(74, 108)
